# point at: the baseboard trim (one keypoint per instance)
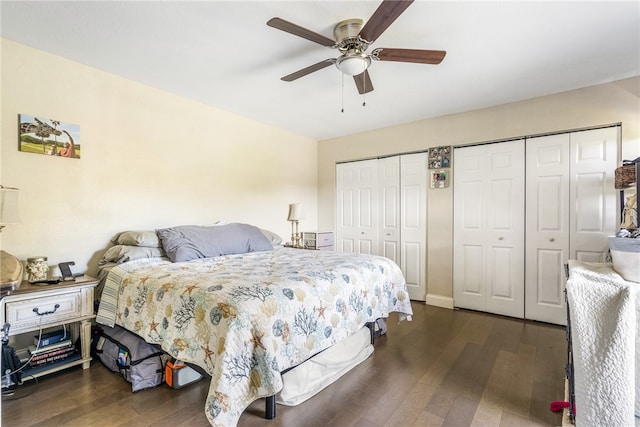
(439, 301)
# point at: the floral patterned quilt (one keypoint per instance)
(245, 318)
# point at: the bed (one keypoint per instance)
(244, 312)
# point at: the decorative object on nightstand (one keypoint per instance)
(318, 240)
(10, 266)
(296, 213)
(37, 268)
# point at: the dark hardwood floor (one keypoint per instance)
(445, 368)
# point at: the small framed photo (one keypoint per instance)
(440, 157)
(439, 179)
(49, 137)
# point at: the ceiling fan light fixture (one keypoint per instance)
(353, 64)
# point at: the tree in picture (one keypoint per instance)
(36, 133)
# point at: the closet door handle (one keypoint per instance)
(500, 238)
(552, 239)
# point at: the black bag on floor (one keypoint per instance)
(121, 351)
(10, 363)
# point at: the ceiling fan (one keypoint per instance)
(352, 38)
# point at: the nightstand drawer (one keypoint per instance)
(35, 312)
(325, 239)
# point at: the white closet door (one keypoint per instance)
(489, 228)
(389, 182)
(469, 286)
(413, 223)
(547, 232)
(357, 207)
(593, 196)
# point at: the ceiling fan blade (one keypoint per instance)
(308, 70)
(363, 82)
(417, 56)
(384, 16)
(299, 31)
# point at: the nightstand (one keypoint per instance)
(31, 307)
(319, 240)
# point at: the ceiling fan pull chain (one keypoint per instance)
(342, 109)
(364, 94)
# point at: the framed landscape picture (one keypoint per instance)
(49, 137)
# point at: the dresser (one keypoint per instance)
(603, 336)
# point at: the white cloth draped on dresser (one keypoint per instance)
(604, 310)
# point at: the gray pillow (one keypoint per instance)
(124, 253)
(187, 242)
(146, 238)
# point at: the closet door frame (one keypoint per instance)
(577, 168)
(381, 208)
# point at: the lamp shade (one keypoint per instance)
(9, 205)
(296, 212)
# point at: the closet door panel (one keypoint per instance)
(500, 287)
(505, 229)
(547, 229)
(356, 204)
(469, 283)
(366, 221)
(469, 286)
(389, 180)
(593, 199)
(413, 272)
(346, 245)
(413, 223)
(489, 228)
(550, 284)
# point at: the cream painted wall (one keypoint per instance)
(597, 105)
(149, 159)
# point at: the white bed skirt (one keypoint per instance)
(315, 374)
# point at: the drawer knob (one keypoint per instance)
(55, 307)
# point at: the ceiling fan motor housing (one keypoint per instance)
(346, 35)
(353, 60)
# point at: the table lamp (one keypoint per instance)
(10, 266)
(296, 213)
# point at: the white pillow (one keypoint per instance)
(273, 238)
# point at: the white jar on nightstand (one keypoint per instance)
(37, 268)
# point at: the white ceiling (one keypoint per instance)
(223, 54)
